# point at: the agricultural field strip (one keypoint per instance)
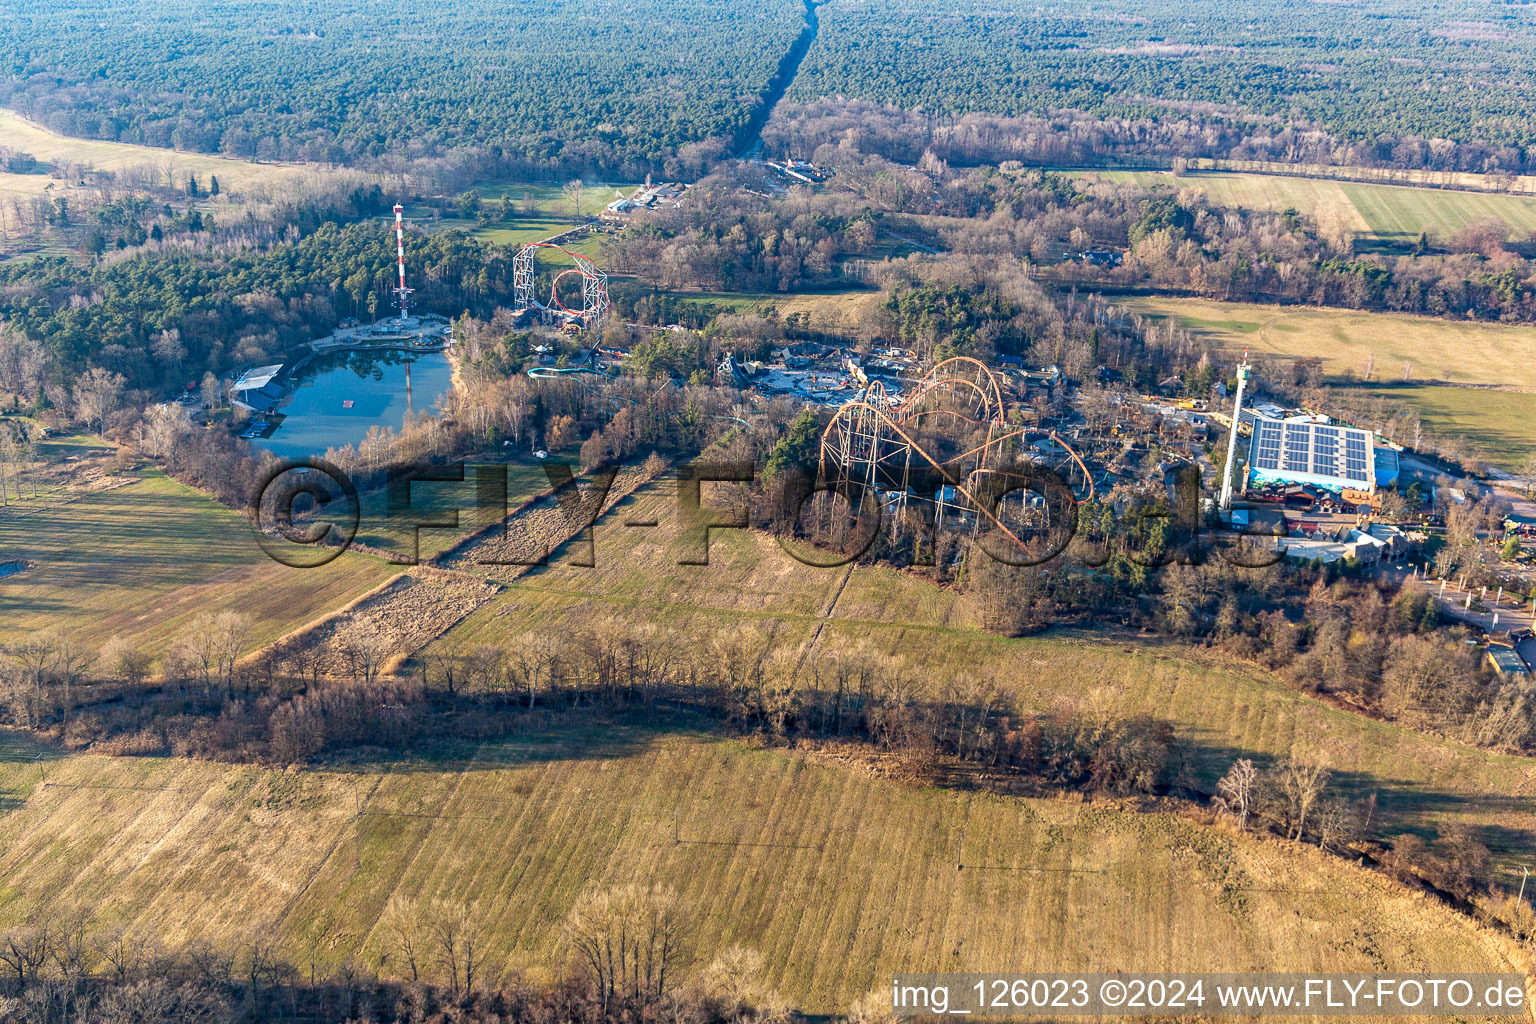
(1467, 378)
(1386, 212)
(1422, 780)
(1435, 349)
(422, 603)
(142, 559)
(870, 865)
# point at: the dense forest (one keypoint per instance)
(1460, 71)
(165, 314)
(1073, 138)
(556, 85)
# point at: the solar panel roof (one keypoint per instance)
(1288, 446)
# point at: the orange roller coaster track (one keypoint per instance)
(872, 442)
(594, 286)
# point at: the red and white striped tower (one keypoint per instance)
(402, 290)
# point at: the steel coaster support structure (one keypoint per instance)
(594, 286)
(594, 297)
(971, 371)
(871, 445)
(522, 278)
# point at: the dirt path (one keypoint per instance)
(824, 615)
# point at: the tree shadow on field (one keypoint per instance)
(575, 735)
(1387, 243)
(19, 747)
(1401, 805)
(29, 604)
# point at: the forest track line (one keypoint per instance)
(750, 142)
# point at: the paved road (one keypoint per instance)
(1527, 651)
(1512, 611)
(1504, 486)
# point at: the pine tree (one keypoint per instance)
(192, 189)
(213, 184)
(797, 448)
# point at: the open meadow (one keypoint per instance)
(847, 875)
(142, 558)
(785, 614)
(1391, 215)
(1426, 347)
(28, 227)
(836, 312)
(836, 876)
(1500, 425)
(22, 136)
(524, 213)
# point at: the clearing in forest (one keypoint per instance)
(22, 136)
(1380, 214)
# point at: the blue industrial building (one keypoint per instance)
(1303, 450)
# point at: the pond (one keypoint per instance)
(340, 396)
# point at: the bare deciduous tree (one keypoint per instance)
(1301, 779)
(122, 660)
(96, 396)
(403, 926)
(213, 644)
(1234, 793)
(630, 938)
(531, 657)
(459, 939)
(164, 428)
(572, 190)
(368, 648)
(23, 951)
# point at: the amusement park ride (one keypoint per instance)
(884, 446)
(594, 288)
(948, 443)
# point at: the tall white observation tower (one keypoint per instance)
(1237, 412)
(401, 290)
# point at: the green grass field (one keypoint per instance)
(536, 212)
(142, 560)
(1432, 349)
(753, 591)
(835, 311)
(1500, 425)
(1380, 214)
(541, 211)
(836, 876)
